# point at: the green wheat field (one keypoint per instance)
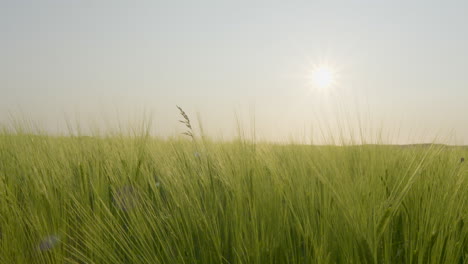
(188, 199)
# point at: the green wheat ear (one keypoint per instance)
(186, 122)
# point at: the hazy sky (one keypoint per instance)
(402, 64)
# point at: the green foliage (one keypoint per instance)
(143, 200)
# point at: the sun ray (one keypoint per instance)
(322, 77)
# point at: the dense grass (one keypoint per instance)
(143, 200)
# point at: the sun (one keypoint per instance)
(323, 77)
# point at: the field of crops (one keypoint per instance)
(122, 199)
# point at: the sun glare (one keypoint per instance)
(323, 77)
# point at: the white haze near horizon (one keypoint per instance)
(402, 66)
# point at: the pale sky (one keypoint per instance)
(401, 64)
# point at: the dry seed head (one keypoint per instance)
(186, 122)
